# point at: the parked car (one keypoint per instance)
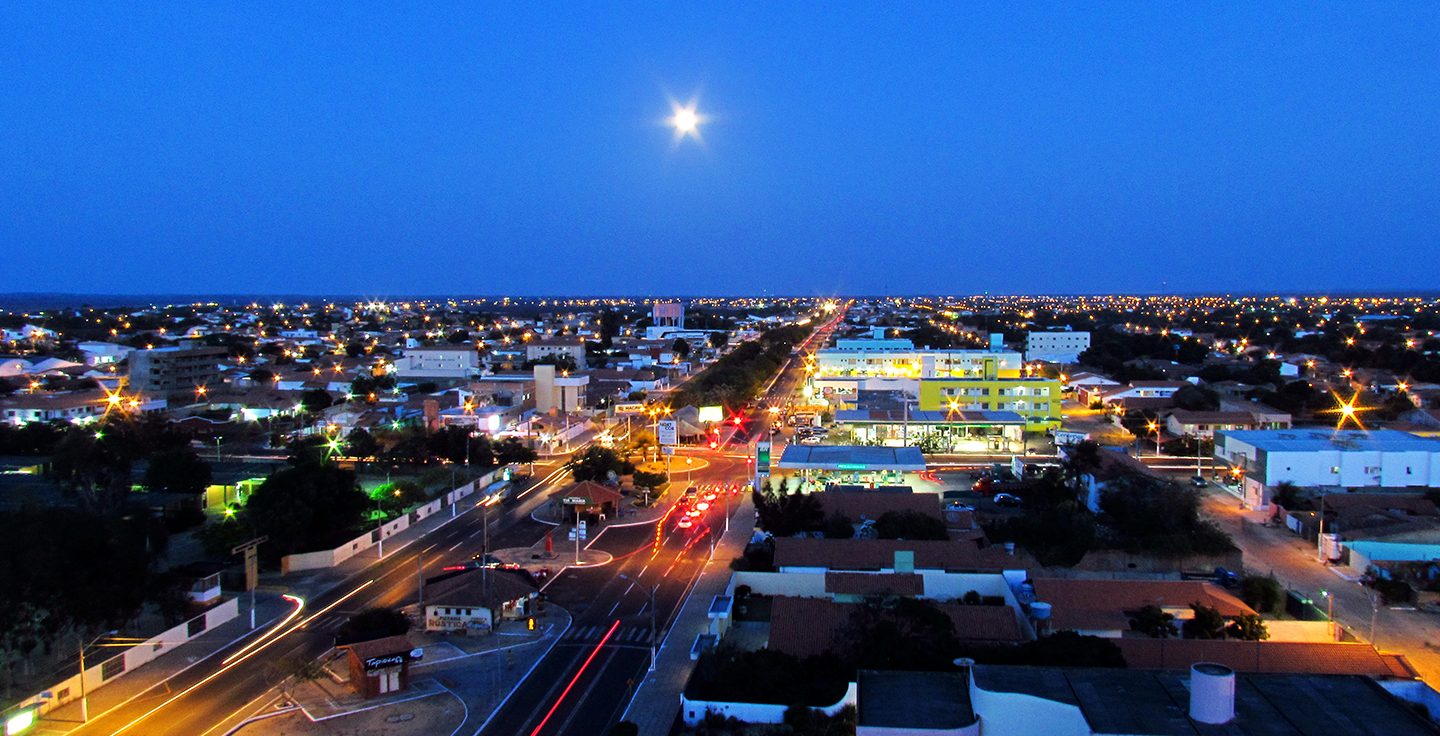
(1198, 481)
(1005, 499)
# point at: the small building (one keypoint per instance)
(380, 666)
(1328, 459)
(1056, 347)
(588, 498)
(475, 602)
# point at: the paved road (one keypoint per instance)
(1295, 564)
(586, 681)
(583, 685)
(212, 697)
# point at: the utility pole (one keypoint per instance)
(252, 570)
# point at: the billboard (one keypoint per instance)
(665, 431)
(714, 414)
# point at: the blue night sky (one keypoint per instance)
(851, 148)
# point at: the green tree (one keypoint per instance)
(316, 400)
(511, 451)
(177, 471)
(1196, 398)
(681, 347)
(362, 445)
(1290, 497)
(1081, 460)
(1260, 592)
(372, 623)
(1206, 624)
(1247, 627)
(719, 339)
(596, 463)
(910, 525)
(839, 526)
(1154, 623)
(306, 504)
(649, 480)
(788, 514)
(897, 633)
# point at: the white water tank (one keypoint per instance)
(1212, 693)
(1039, 611)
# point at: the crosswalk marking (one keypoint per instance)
(627, 635)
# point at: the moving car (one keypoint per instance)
(1005, 499)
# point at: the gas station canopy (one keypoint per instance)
(852, 457)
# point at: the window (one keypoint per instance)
(112, 667)
(195, 626)
(1334, 470)
(1372, 468)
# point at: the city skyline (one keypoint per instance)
(933, 150)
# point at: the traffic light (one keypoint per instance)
(530, 623)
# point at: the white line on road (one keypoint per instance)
(612, 609)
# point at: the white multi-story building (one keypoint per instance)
(1328, 460)
(885, 359)
(439, 362)
(1056, 347)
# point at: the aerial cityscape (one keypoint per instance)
(720, 371)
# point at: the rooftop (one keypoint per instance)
(1127, 701)
(852, 457)
(1350, 440)
(922, 700)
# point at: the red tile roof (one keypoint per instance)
(864, 583)
(805, 627)
(1102, 604)
(1316, 658)
(875, 554)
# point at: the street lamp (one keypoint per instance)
(1155, 427)
(654, 632)
(84, 697)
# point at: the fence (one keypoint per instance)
(106, 671)
(327, 558)
(694, 711)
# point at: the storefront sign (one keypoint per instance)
(377, 662)
(666, 431)
(851, 466)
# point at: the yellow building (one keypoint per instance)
(1035, 399)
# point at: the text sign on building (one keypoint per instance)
(629, 408)
(666, 431)
(762, 458)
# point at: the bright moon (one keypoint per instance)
(685, 120)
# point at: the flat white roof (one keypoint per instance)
(1320, 440)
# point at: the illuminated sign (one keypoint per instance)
(712, 413)
(851, 466)
(666, 431)
(20, 722)
(376, 662)
(629, 408)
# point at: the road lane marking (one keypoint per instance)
(573, 680)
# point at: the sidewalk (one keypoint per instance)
(461, 681)
(657, 700)
(311, 583)
(270, 607)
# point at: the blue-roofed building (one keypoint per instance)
(1329, 460)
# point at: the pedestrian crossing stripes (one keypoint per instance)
(624, 635)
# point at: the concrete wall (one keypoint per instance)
(1415, 691)
(151, 649)
(331, 557)
(693, 711)
(796, 584)
(1312, 631)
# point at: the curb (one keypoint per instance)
(527, 674)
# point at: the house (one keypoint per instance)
(806, 554)
(1104, 607)
(588, 498)
(476, 601)
(1203, 424)
(380, 666)
(1118, 395)
(574, 349)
